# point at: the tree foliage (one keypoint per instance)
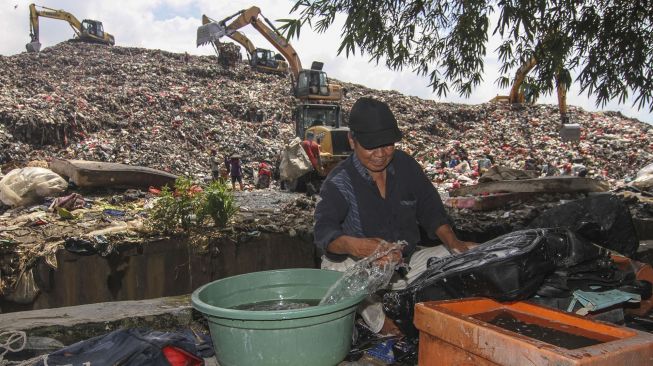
(607, 43)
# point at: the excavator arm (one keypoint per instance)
(213, 31)
(34, 15)
(309, 84)
(236, 36)
(87, 30)
(516, 96)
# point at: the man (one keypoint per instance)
(379, 193)
(530, 164)
(215, 165)
(312, 149)
(236, 172)
(578, 169)
(264, 175)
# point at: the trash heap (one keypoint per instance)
(136, 106)
(166, 111)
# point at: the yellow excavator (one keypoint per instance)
(87, 30)
(519, 94)
(308, 84)
(259, 58)
(318, 114)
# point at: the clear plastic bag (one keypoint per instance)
(367, 275)
(26, 289)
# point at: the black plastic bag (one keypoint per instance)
(602, 219)
(127, 347)
(509, 268)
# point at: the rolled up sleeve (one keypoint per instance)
(330, 213)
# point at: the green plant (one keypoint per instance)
(217, 203)
(189, 205)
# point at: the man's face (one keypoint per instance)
(374, 160)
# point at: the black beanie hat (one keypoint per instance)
(373, 123)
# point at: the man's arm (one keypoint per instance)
(355, 247)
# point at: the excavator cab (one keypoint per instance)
(93, 27)
(313, 85)
(263, 57)
(311, 115)
(324, 122)
(93, 31)
(312, 82)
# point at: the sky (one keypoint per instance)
(171, 25)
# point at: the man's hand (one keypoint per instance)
(448, 237)
(459, 246)
(393, 255)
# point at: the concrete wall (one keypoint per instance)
(160, 268)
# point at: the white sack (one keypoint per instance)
(24, 186)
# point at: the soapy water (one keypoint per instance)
(367, 275)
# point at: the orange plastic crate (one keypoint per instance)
(452, 333)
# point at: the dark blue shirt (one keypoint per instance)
(351, 204)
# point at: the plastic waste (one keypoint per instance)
(593, 301)
(602, 219)
(294, 161)
(26, 289)
(382, 352)
(510, 267)
(133, 347)
(21, 187)
(367, 275)
(70, 202)
(112, 212)
(97, 244)
(644, 179)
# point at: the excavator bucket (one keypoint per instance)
(210, 32)
(33, 46)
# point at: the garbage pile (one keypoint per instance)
(138, 107)
(166, 111)
(228, 54)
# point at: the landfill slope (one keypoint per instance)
(152, 108)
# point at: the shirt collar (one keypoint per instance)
(363, 171)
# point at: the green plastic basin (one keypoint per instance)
(317, 335)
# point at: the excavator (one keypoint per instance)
(308, 84)
(259, 58)
(318, 113)
(87, 30)
(519, 95)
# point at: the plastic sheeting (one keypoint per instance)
(133, 347)
(644, 179)
(602, 219)
(510, 267)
